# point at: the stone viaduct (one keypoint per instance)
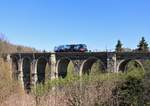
(30, 68)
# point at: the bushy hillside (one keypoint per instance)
(7, 85)
(98, 89)
(11, 91)
(7, 47)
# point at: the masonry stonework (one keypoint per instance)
(36, 65)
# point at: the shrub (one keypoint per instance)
(130, 90)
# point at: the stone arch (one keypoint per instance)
(15, 67)
(122, 66)
(62, 67)
(26, 67)
(41, 69)
(88, 63)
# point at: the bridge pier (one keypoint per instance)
(111, 62)
(53, 65)
(20, 72)
(34, 72)
(77, 67)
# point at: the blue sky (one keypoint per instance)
(43, 24)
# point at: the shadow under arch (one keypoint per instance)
(41, 69)
(62, 67)
(87, 65)
(123, 65)
(15, 72)
(27, 72)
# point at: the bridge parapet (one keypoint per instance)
(136, 55)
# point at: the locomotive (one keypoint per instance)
(71, 48)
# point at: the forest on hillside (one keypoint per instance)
(7, 47)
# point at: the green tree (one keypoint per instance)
(119, 46)
(146, 83)
(70, 70)
(130, 89)
(97, 68)
(143, 45)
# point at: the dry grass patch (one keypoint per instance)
(8, 86)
